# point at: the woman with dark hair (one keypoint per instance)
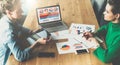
(111, 34)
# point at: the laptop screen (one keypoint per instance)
(48, 14)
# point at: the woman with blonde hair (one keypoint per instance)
(10, 32)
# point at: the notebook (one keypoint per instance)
(50, 18)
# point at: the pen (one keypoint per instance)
(98, 39)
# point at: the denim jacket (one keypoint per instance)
(9, 41)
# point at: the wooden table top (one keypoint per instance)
(77, 11)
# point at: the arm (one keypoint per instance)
(21, 54)
(15, 47)
(101, 31)
(23, 32)
(107, 55)
(28, 32)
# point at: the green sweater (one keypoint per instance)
(111, 31)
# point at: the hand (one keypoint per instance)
(41, 40)
(87, 35)
(93, 41)
(49, 39)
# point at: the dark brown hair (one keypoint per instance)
(115, 6)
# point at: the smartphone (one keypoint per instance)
(46, 54)
(81, 51)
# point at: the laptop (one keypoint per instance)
(50, 18)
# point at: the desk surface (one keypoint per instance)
(81, 12)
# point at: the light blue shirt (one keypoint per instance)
(9, 41)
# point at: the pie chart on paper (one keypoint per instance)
(65, 47)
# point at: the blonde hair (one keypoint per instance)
(8, 5)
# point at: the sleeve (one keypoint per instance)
(24, 32)
(101, 31)
(13, 44)
(109, 54)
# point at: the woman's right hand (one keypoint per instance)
(41, 40)
(87, 35)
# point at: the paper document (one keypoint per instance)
(76, 41)
(81, 28)
(61, 35)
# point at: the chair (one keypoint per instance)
(99, 7)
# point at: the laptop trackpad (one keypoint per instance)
(58, 28)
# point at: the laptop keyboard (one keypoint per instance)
(52, 24)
